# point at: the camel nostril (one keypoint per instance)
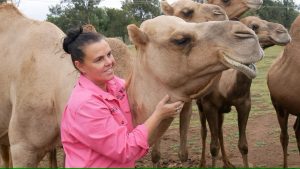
(244, 34)
(281, 31)
(218, 12)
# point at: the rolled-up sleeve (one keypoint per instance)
(95, 126)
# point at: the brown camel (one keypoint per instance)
(37, 76)
(233, 89)
(235, 8)
(284, 87)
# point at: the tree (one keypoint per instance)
(72, 13)
(277, 11)
(118, 21)
(141, 10)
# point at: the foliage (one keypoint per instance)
(113, 22)
(73, 13)
(141, 10)
(277, 11)
(117, 25)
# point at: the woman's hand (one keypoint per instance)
(165, 110)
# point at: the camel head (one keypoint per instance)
(235, 8)
(182, 55)
(192, 11)
(268, 33)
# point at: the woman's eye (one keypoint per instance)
(109, 54)
(99, 59)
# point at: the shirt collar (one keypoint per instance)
(88, 84)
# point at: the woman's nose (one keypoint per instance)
(108, 60)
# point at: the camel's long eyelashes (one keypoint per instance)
(182, 41)
(226, 2)
(187, 13)
(254, 27)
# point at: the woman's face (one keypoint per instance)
(98, 63)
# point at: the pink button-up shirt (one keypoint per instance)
(96, 127)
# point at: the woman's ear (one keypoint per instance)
(137, 36)
(79, 66)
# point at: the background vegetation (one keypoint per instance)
(113, 22)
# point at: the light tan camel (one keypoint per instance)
(192, 11)
(155, 154)
(36, 79)
(284, 87)
(233, 89)
(37, 76)
(121, 53)
(235, 8)
(197, 12)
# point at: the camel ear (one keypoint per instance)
(89, 28)
(166, 8)
(137, 36)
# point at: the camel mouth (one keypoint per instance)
(282, 42)
(254, 5)
(248, 69)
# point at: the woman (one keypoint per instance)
(96, 127)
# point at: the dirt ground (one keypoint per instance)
(263, 140)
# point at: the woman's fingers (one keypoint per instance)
(165, 99)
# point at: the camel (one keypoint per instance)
(192, 11)
(168, 55)
(121, 53)
(36, 79)
(284, 86)
(233, 89)
(235, 8)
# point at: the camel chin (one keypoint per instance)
(248, 69)
(254, 4)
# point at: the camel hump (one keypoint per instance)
(10, 8)
(295, 28)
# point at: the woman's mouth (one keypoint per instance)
(110, 70)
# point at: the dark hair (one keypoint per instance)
(76, 39)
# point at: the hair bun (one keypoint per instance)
(72, 34)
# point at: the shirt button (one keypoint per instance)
(122, 122)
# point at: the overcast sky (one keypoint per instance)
(38, 9)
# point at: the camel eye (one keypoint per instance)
(187, 13)
(254, 27)
(226, 1)
(181, 41)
